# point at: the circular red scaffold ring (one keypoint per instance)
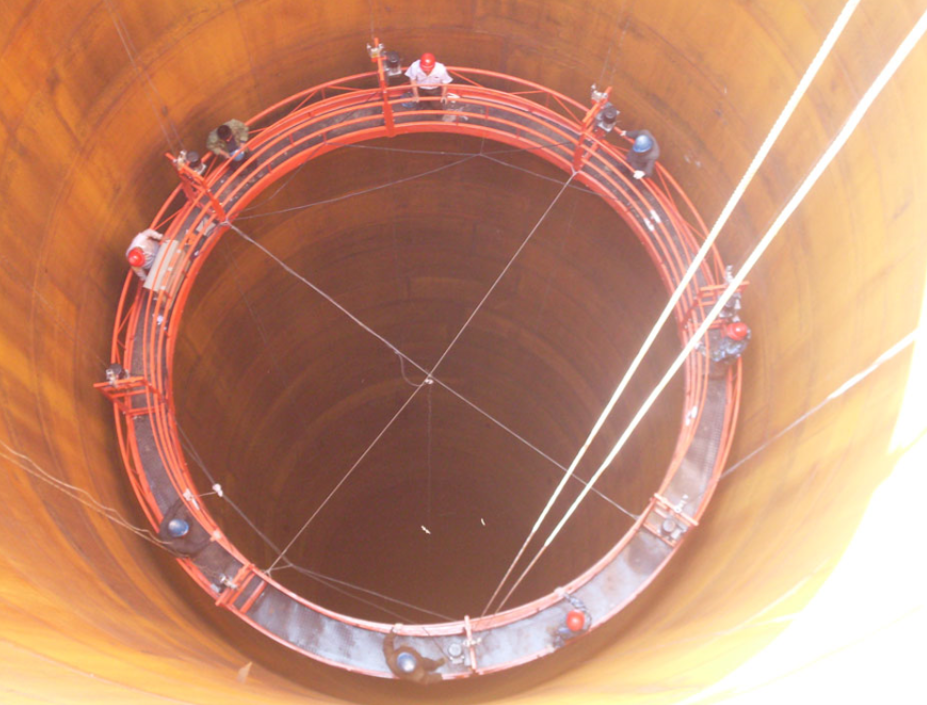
(345, 112)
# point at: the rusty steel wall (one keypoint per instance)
(91, 613)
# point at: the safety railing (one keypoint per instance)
(358, 108)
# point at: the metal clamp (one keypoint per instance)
(470, 642)
(669, 521)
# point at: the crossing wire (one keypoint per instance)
(378, 187)
(437, 380)
(402, 356)
(466, 156)
(320, 577)
(430, 372)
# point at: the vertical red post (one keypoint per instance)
(194, 186)
(587, 127)
(470, 643)
(376, 55)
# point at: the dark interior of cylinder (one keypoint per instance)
(280, 393)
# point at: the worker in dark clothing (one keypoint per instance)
(643, 153)
(407, 663)
(733, 342)
(392, 68)
(228, 140)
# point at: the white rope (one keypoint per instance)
(533, 447)
(761, 155)
(830, 153)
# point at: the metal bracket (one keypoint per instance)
(456, 651)
(668, 521)
(377, 54)
(573, 600)
(194, 186)
(470, 642)
(122, 392)
(234, 586)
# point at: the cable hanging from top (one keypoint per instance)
(780, 123)
(160, 110)
(855, 117)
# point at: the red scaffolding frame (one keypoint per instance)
(361, 107)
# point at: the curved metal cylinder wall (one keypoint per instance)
(89, 612)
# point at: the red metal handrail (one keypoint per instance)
(157, 315)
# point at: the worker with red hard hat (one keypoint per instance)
(737, 330)
(429, 78)
(142, 252)
(733, 341)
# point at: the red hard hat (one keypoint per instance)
(427, 62)
(136, 257)
(737, 331)
(575, 620)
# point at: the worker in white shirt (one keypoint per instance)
(142, 252)
(429, 79)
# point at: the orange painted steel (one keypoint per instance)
(81, 173)
(201, 209)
